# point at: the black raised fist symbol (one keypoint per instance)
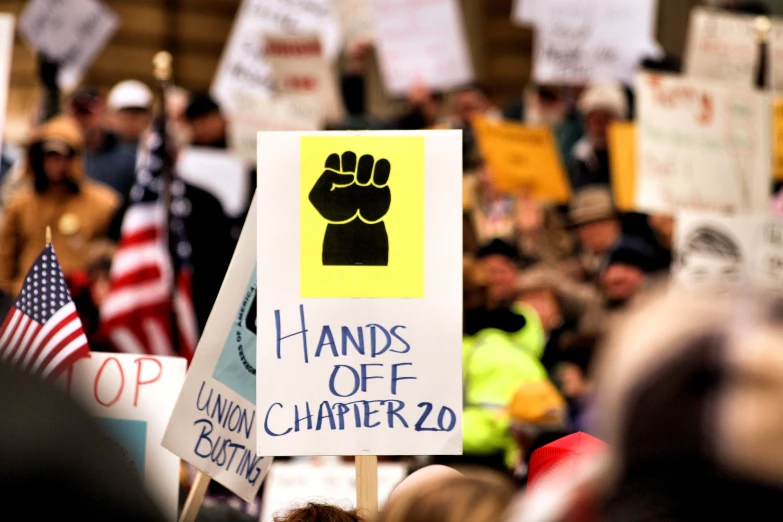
(354, 198)
(250, 318)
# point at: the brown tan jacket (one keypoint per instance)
(75, 219)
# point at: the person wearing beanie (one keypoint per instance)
(206, 122)
(499, 262)
(600, 105)
(625, 273)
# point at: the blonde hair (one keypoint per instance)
(458, 499)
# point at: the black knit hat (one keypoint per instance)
(631, 251)
(498, 247)
(201, 104)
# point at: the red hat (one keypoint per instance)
(565, 452)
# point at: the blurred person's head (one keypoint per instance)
(600, 105)
(455, 499)
(98, 267)
(54, 156)
(709, 260)
(130, 105)
(663, 226)
(206, 121)
(536, 409)
(499, 262)
(625, 271)
(538, 289)
(595, 218)
(573, 373)
(751, 7)
(474, 285)
(469, 102)
(423, 477)
(545, 105)
(319, 512)
(88, 107)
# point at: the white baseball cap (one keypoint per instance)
(130, 94)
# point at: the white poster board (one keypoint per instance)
(702, 146)
(294, 484)
(213, 425)
(303, 74)
(360, 303)
(355, 20)
(267, 114)
(72, 32)
(244, 67)
(578, 41)
(723, 46)
(132, 396)
(717, 253)
(421, 43)
(222, 174)
(6, 54)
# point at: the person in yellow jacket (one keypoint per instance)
(57, 194)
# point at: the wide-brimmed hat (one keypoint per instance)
(591, 204)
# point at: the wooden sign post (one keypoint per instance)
(367, 485)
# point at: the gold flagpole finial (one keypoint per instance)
(48, 235)
(763, 26)
(162, 63)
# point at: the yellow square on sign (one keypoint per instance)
(362, 216)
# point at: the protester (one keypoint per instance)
(597, 226)
(318, 512)
(500, 265)
(130, 110)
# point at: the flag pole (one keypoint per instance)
(48, 235)
(195, 497)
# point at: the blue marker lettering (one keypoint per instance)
(302, 332)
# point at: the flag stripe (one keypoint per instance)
(14, 316)
(70, 354)
(71, 325)
(16, 337)
(76, 334)
(55, 324)
(27, 342)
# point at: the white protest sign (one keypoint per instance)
(132, 396)
(359, 322)
(6, 53)
(702, 146)
(265, 114)
(213, 425)
(578, 41)
(421, 43)
(303, 74)
(243, 66)
(72, 32)
(292, 485)
(727, 253)
(355, 20)
(221, 173)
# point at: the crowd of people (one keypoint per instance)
(545, 288)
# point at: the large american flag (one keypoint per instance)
(151, 273)
(42, 332)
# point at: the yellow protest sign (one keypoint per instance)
(362, 216)
(523, 159)
(777, 137)
(622, 159)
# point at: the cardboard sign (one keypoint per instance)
(244, 67)
(703, 146)
(622, 158)
(351, 359)
(724, 46)
(220, 173)
(578, 41)
(294, 484)
(777, 137)
(302, 73)
(267, 114)
(213, 425)
(6, 53)
(132, 397)
(523, 159)
(413, 52)
(71, 32)
(355, 20)
(728, 253)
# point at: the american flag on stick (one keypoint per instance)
(149, 308)
(42, 332)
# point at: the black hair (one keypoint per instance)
(40, 180)
(501, 248)
(752, 8)
(708, 240)
(474, 86)
(201, 104)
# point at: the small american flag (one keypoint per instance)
(152, 259)
(42, 333)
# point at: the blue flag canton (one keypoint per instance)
(44, 291)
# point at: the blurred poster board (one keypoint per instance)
(268, 114)
(723, 253)
(71, 32)
(421, 43)
(777, 137)
(303, 74)
(131, 396)
(244, 67)
(355, 20)
(213, 425)
(294, 484)
(6, 54)
(577, 41)
(702, 146)
(222, 174)
(723, 46)
(622, 160)
(523, 159)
